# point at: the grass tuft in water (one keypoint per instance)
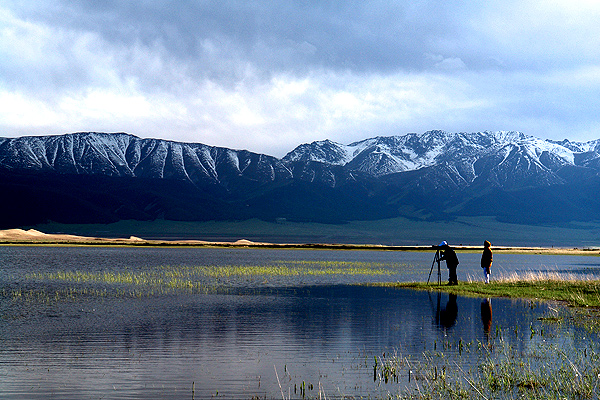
(171, 279)
(501, 371)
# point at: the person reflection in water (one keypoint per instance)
(486, 317)
(447, 316)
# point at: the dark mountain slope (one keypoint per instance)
(99, 177)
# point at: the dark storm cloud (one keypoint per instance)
(273, 35)
(268, 75)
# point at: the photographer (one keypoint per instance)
(447, 253)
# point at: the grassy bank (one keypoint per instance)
(574, 292)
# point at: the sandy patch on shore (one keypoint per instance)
(32, 236)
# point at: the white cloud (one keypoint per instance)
(268, 79)
(20, 112)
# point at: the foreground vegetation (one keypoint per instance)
(501, 368)
(548, 360)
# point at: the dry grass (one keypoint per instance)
(536, 276)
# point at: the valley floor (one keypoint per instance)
(36, 237)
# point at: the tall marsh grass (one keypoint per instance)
(177, 276)
(575, 290)
(500, 370)
(536, 276)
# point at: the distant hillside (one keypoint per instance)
(102, 177)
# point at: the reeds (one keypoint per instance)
(501, 370)
(281, 268)
(537, 276)
(145, 282)
(177, 275)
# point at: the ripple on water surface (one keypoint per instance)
(117, 339)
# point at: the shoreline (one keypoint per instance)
(583, 294)
(22, 237)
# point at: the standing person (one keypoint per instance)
(449, 255)
(486, 261)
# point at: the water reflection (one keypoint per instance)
(230, 342)
(486, 317)
(445, 316)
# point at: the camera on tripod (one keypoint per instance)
(437, 258)
(445, 252)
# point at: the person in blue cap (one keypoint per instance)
(447, 253)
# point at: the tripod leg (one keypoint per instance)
(436, 257)
(431, 270)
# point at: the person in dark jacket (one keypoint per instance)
(486, 261)
(448, 254)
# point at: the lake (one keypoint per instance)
(183, 323)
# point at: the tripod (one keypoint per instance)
(436, 259)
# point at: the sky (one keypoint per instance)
(267, 76)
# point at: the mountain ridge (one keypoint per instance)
(435, 174)
(122, 154)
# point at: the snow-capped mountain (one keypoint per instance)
(494, 154)
(103, 177)
(123, 155)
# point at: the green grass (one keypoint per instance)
(510, 363)
(549, 286)
(167, 275)
(171, 279)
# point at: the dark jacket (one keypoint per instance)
(486, 258)
(449, 255)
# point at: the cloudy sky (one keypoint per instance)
(269, 75)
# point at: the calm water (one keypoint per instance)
(234, 335)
